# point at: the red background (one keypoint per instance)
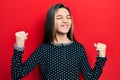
(94, 21)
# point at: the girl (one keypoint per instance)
(60, 56)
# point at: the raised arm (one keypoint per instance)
(20, 69)
(87, 71)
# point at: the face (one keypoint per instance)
(62, 21)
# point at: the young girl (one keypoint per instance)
(60, 56)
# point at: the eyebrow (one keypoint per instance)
(61, 15)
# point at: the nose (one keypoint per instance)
(65, 20)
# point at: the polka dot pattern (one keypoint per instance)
(57, 62)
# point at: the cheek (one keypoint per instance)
(57, 23)
(70, 21)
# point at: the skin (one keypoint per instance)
(62, 25)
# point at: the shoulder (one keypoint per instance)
(44, 46)
(80, 48)
(79, 44)
(41, 48)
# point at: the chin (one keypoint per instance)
(63, 32)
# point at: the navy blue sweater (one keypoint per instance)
(57, 62)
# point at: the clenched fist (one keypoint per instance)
(101, 48)
(21, 36)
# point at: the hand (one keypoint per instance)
(21, 36)
(101, 49)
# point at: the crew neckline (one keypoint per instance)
(62, 44)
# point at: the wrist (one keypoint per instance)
(19, 44)
(102, 53)
(18, 48)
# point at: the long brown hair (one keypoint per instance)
(49, 32)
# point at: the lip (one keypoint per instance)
(65, 25)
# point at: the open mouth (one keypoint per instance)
(65, 26)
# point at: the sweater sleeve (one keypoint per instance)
(87, 71)
(20, 69)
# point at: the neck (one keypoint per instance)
(61, 38)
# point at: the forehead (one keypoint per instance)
(62, 11)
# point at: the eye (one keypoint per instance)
(68, 17)
(59, 18)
